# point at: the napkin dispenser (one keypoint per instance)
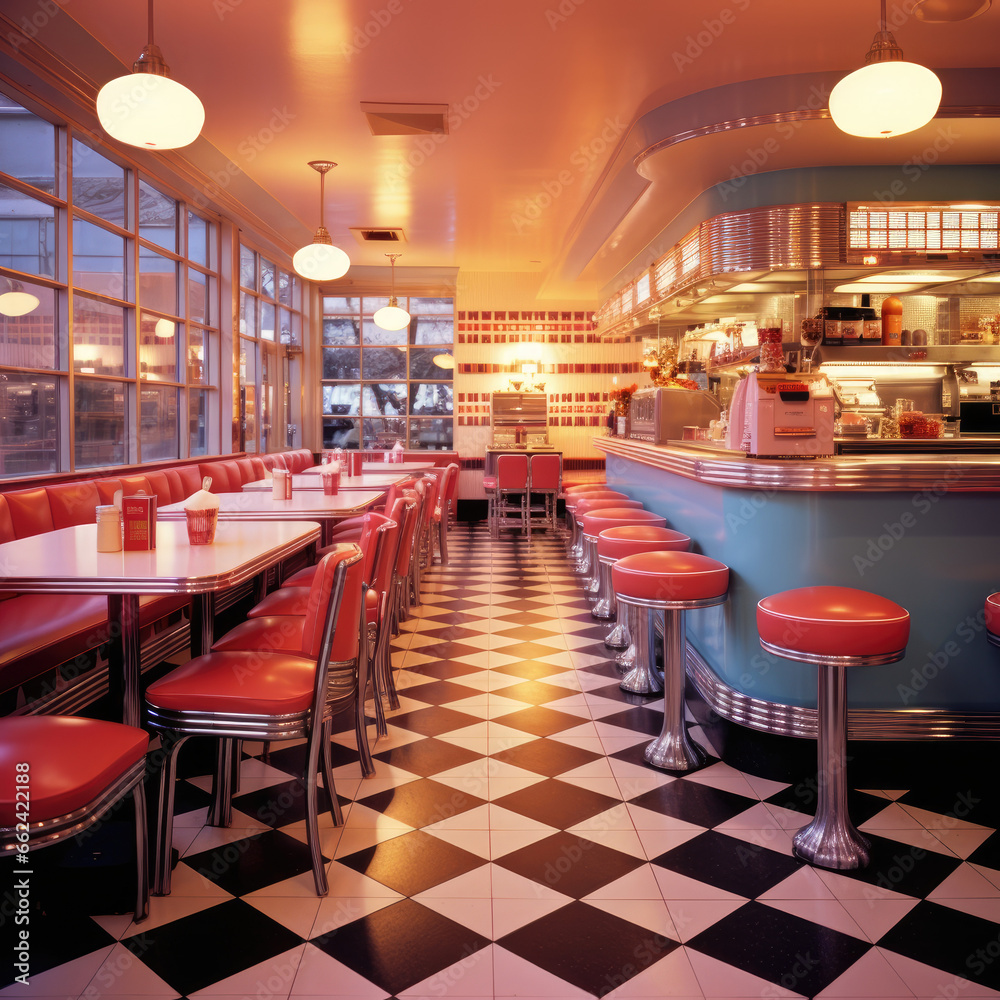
(139, 522)
(790, 416)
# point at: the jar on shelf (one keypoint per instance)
(772, 357)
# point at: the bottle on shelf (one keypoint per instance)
(892, 321)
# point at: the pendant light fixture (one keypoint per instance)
(147, 108)
(888, 96)
(15, 301)
(321, 260)
(392, 317)
(444, 360)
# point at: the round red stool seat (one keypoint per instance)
(993, 615)
(577, 498)
(670, 577)
(595, 521)
(628, 539)
(833, 621)
(572, 488)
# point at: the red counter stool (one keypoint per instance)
(598, 584)
(672, 583)
(615, 543)
(834, 628)
(575, 549)
(592, 503)
(993, 619)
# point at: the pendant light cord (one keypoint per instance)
(881, 28)
(150, 22)
(322, 190)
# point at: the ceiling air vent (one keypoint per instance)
(406, 119)
(385, 234)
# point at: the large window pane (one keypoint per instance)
(248, 268)
(430, 398)
(27, 146)
(158, 430)
(157, 217)
(432, 433)
(197, 357)
(287, 333)
(266, 278)
(342, 400)
(27, 233)
(388, 399)
(201, 241)
(98, 184)
(384, 363)
(98, 259)
(266, 320)
(432, 330)
(423, 365)
(158, 340)
(376, 335)
(98, 337)
(341, 330)
(286, 288)
(200, 292)
(157, 281)
(342, 362)
(341, 305)
(100, 422)
(382, 433)
(29, 340)
(197, 422)
(444, 307)
(248, 315)
(29, 418)
(340, 433)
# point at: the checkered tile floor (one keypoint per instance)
(513, 843)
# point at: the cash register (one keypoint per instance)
(789, 416)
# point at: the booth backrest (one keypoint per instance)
(107, 488)
(6, 524)
(29, 512)
(222, 481)
(73, 503)
(190, 476)
(246, 470)
(259, 469)
(135, 484)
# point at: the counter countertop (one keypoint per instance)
(710, 463)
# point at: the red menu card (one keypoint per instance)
(139, 521)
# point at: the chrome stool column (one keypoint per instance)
(833, 628)
(670, 583)
(595, 502)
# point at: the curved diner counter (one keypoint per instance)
(923, 530)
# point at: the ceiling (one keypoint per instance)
(562, 159)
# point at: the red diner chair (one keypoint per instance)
(240, 695)
(65, 791)
(509, 502)
(443, 511)
(545, 485)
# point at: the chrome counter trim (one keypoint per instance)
(941, 473)
(862, 724)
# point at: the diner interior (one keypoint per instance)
(390, 606)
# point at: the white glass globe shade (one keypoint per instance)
(17, 303)
(885, 99)
(155, 112)
(164, 329)
(320, 262)
(391, 318)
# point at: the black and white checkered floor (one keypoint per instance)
(513, 843)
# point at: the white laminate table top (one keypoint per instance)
(261, 506)
(370, 481)
(66, 560)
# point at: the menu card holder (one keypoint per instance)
(139, 522)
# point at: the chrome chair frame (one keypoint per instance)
(329, 698)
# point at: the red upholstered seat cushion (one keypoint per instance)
(283, 601)
(594, 522)
(993, 613)
(670, 576)
(237, 681)
(572, 488)
(275, 632)
(628, 539)
(836, 621)
(72, 761)
(303, 578)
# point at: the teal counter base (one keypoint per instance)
(934, 548)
